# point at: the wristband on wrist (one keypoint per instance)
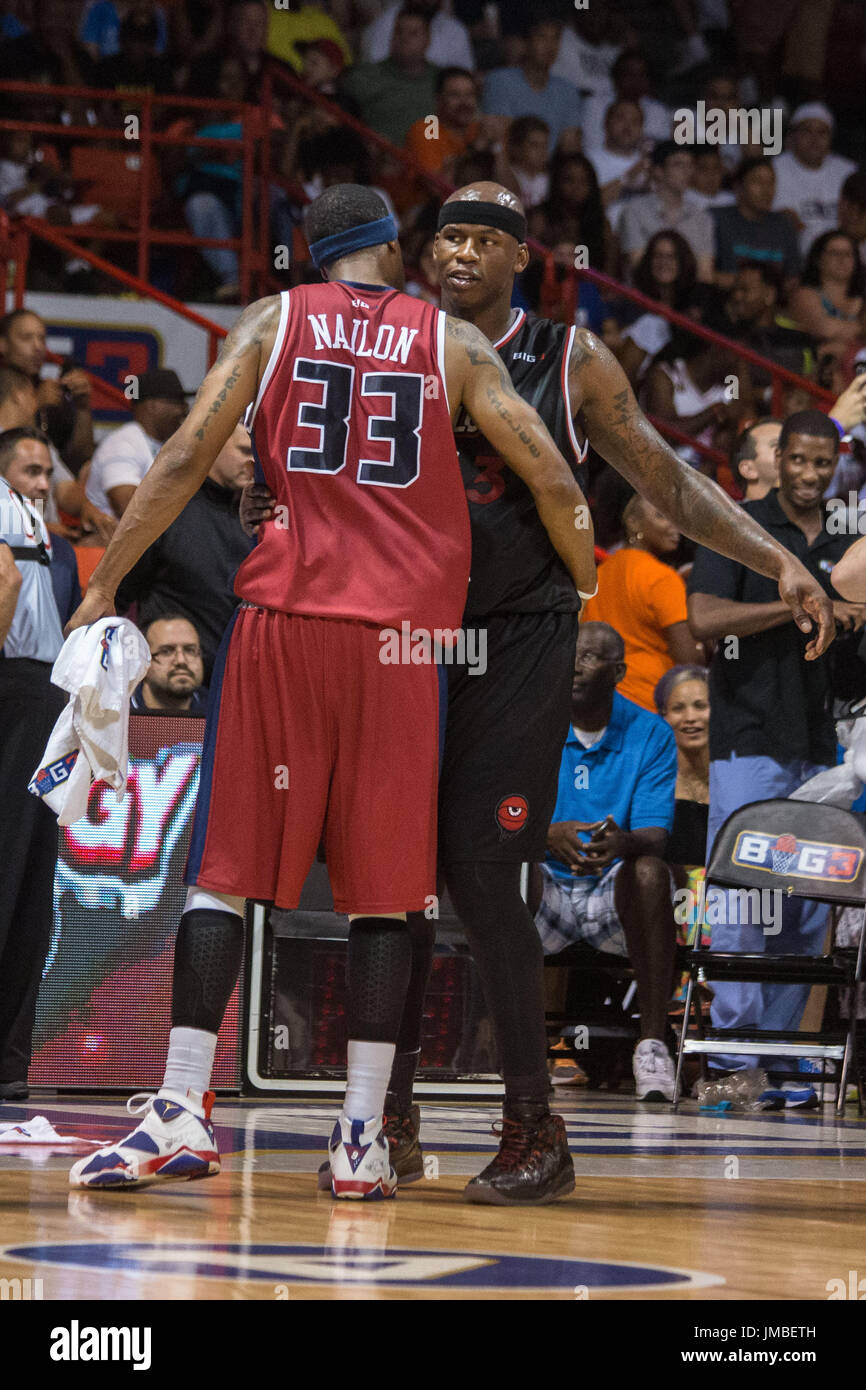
(840, 428)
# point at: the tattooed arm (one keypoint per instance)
(623, 436)
(185, 460)
(477, 379)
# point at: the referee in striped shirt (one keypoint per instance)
(30, 640)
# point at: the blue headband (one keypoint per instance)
(331, 248)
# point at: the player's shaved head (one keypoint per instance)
(486, 192)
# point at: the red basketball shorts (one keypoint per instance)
(311, 739)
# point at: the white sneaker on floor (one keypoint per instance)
(654, 1074)
(360, 1161)
(173, 1143)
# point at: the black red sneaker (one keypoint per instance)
(402, 1130)
(533, 1165)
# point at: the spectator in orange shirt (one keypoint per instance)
(460, 128)
(644, 599)
(436, 143)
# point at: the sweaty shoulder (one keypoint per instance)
(588, 354)
(587, 348)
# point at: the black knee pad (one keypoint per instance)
(422, 937)
(379, 962)
(208, 955)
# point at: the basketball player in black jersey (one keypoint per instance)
(505, 730)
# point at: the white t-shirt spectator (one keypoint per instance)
(121, 460)
(690, 400)
(608, 167)
(725, 198)
(651, 333)
(533, 188)
(643, 217)
(657, 119)
(450, 45)
(812, 193)
(587, 66)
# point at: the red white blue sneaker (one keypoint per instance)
(173, 1143)
(360, 1161)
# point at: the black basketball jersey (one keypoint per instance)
(515, 569)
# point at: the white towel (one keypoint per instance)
(100, 666)
(39, 1130)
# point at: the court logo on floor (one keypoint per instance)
(361, 1265)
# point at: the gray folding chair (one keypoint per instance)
(805, 850)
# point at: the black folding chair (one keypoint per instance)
(805, 850)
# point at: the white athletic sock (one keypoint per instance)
(190, 1062)
(369, 1072)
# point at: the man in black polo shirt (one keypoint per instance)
(771, 723)
(191, 568)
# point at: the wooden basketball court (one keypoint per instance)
(682, 1206)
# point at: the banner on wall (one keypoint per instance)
(104, 1009)
(117, 337)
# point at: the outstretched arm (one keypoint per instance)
(621, 433)
(184, 461)
(477, 378)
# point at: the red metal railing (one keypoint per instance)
(253, 244)
(14, 248)
(145, 235)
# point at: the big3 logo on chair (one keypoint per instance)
(795, 858)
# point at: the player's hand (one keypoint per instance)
(256, 506)
(48, 393)
(809, 604)
(94, 605)
(564, 843)
(849, 616)
(77, 383)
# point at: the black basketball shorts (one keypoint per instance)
(505, 731)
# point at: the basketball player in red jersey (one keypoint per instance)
(310, 735)
(505, 730)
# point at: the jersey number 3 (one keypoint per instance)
(332, 414)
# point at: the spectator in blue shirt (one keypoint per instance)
(605, 882)
(100, 28)
(529, 90)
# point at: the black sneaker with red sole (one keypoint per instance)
(533, 1165)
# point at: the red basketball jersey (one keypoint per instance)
(352, 433)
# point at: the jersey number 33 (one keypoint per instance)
(332, 417)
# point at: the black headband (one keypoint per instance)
(483, 215)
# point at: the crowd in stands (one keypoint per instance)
(579, 113)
